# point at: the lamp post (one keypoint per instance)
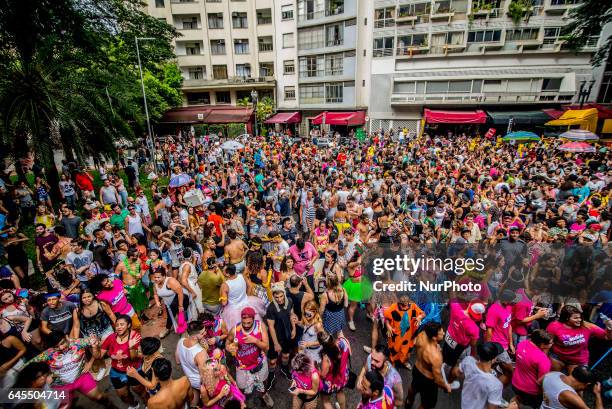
(583, 93)
(144, 95)
(254, 99)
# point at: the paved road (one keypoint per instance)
(279, 392)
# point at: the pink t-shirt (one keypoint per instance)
(116, 298)
(498, 318)
(520, 311)
(302, 258)
(571, 344)
(531, 365)
(461, 328)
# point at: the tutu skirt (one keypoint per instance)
(231, 312)
(358, 289)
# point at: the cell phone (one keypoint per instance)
(292, 388)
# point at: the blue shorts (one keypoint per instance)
(121, 379)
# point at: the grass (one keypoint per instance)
(29, 246)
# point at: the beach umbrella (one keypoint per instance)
(179, 180)
(579, 135)
(232, 146)
(521, 136)
(577, 147)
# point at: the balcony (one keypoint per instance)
(231, 82)
(384, 23)
(481, 98)
(559, 7)
(185, 6)
(382, 52)
(411, 50)
(486, 13)
(190, 34)
(265, 47)
(186, 60)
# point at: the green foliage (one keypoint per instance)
(587, 21)
(519, 9)
(244, 102)
(233, 130)
(69, 78)
(265, 108)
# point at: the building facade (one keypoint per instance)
(470, 54)
(391, 58)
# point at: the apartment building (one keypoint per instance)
(226, 48)
(303, 53)
(470, 54)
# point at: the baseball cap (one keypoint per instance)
(247, 312)
(509, 296)
(476, 310)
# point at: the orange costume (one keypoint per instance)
(403, 323)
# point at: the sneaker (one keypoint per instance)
(367, 349)
(268, 400)
(100, 375)
(351, 325)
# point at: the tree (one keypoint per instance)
(587, 21)
(69, 80)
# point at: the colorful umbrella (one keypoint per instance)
(521, 136)
(179, 180)
(579, 135)
(577, 147)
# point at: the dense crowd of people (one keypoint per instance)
(257, 253)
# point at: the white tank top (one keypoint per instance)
(237, 291)
(187, 360)
(134, 224)
(553, 386)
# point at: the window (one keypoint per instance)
(492, 86)
(460, 86)
(310, 38)
(213, 1)
(522, 34)
(383, 47)
(334, 64)
(198, 98)
(384, 17)
(239, 20)
(290, 93)
(333, 92)
(264, 16)
(312, 94)
(266, 69)
(551, 84)
(605, 90)
(287, 12)
(192, 48)
(442, 7)
(220, 72)
(404, 87)
(159, 3)
(484, 36)
(416, 9)
(215, 20)
(196, 73)
(551, 35)
(334, 35)
(190, 23)
(265, 44)
(217, 47)
(241, 46)
(404, 43)
(243, 70)
(288, 40)
(223, 97)
(312, 66)
(288, 67)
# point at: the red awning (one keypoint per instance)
(553, 113)
(340, 118)
(208, 114)
(285, 118)
(455, 117)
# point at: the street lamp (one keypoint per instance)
(583, 93)
(144, 94)
(254, 98)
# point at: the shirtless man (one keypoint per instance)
(173, 393)
(427, 371)
(235, 251)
